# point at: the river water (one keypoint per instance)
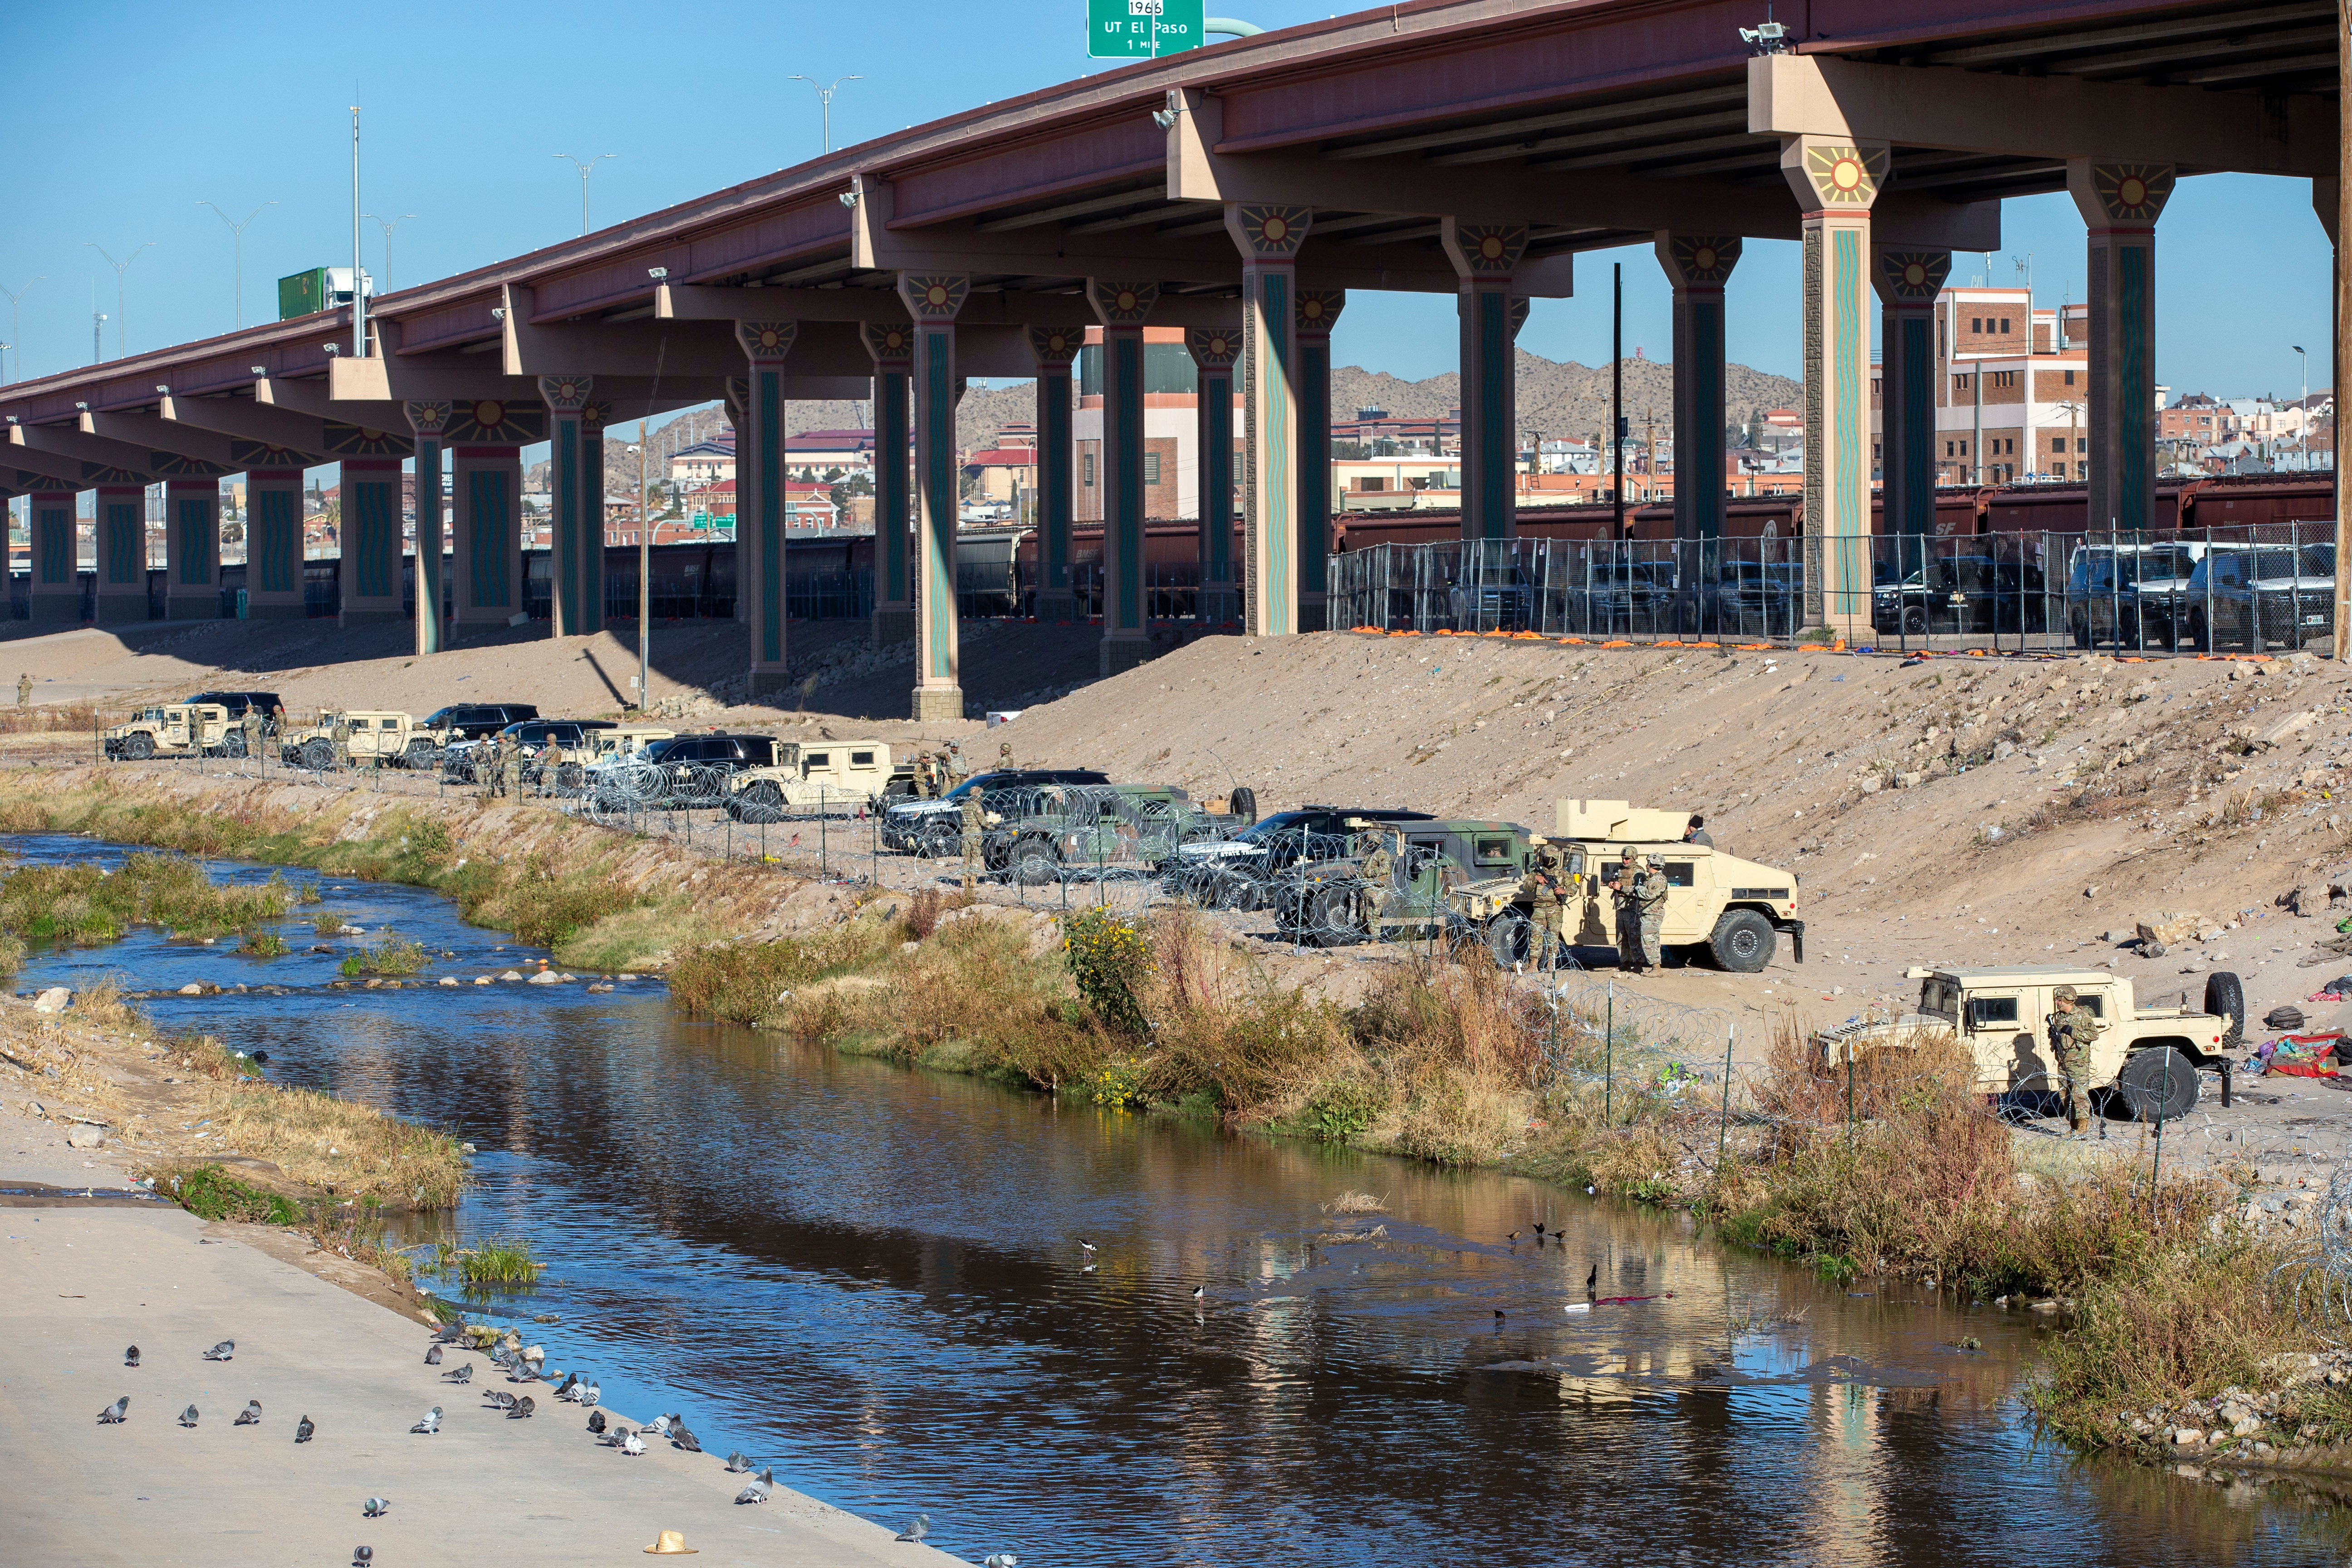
(871, 1277)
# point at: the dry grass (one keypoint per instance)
(49, 718)
(342, 1148)
(1356, 1203)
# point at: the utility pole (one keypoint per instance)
(824, 94)
(2342, 619)
(236, 232)
(1975, 384)
(586, 169)
(359, 274)
(118, 266)
(387, 224)
(16, 337)
(645, 568)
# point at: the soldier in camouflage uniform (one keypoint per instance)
(975, 822)
(1376, 869)
(2073, 1032)
(250, 727)
(1622, 886)
(510, 770)
(1545, 889)
(1650, 900)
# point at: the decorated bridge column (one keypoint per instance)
(121, 517)
(427, 420)
(1269, 238)
(565, 396)
(49, 506)
(1697, 265)
(1484, 256)
(484, 438)
(370, 541)
(933, 301)
(593, 419)
(738, 419)
(1835, 184)
(192, 541)
(1052, 349)
(760, 503)
(1214, 349)
(892, 346)
(273, 532)
(2120, 203)
(1908, 282)
(1319, 313)
(1123, 308)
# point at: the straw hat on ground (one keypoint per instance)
(670, 1544)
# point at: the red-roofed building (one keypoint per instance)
(999, 473)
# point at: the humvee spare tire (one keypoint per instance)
(2225, 998)
(2160, 1083)
(1742, 942)
(139, 746)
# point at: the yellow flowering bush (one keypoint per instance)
(1118, 1081)
(1108, 957)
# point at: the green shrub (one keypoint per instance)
(388, 954)
(1340, 1113)
(210, 1192)
(1107, 957)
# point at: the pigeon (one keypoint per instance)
(250, 1416)
(222, 1351)
(430, 1423)
(522, 1371)
(757, 1490)
(112, 1414)
(917, 1528)
(303, 1430)
(596, 1422)
(564, 1390)
(433, 1355)
(1592, 1280)
(374, 1508)
(1002, 1560)
(362, 1556)
(632, 1445)
(617, 1435)
(463, 1374)
(450, 1334)
(685, 1439)
(739, 1463)
(188, 1417)
(590, 1394)
(504, 1401)
(131, 1356)
(522, 1409)
(660, 1427)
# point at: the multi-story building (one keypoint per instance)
(2010, 387)
(1171, 426)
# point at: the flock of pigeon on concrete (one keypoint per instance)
(523, 1364)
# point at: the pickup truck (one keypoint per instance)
(2146, 1057)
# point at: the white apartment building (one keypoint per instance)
(2012, 385)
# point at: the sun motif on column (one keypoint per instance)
(1214, 347)
(1122, 304)
(1490, 250)
(1705, 261)
(427, 418)
(766, 340)
(1846, 176)
(933, 299)
(1056, 346)
(888, 342)
(565, 393)
(2133, 193)
(1915, 274)
(1272, 234)
(1318, 309)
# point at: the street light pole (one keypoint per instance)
(387, 224)
(16, 337)
(118, 266)
(2302, 407)
(236, 232)
(586, 169)
(824, 94)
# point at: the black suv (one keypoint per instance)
(473, 720)
(904, 824)
(694, 769)
(238, 702)
(1229, 873)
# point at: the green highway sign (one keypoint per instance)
(1140, 29)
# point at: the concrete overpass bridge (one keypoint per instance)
(1469, 147)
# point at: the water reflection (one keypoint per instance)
(872, 1276)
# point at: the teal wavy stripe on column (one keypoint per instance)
(1702, 476)
(1126, 422)
(1497, 442)
(490, 529)
(567, 523)
(1216, 506)
(1850, 433)
(198, 538)
(1918, 393)
(768, 521)
(1314, 463)
(375, 541)
(126, 541)
(1054, 479)
(938, 499)
(1277, 477)
(428, 545)
(57, 531)
(274, 539)
(592, 530)
(2135, 389)
(890, 510)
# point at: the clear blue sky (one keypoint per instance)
(120, 119)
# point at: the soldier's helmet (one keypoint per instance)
(2063, 993)
(1653, 861)
(1628, 855)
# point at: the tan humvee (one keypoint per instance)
(1731, 908)
(811, 776)
(180, 729)
(374, 738)
(2002, 1017)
